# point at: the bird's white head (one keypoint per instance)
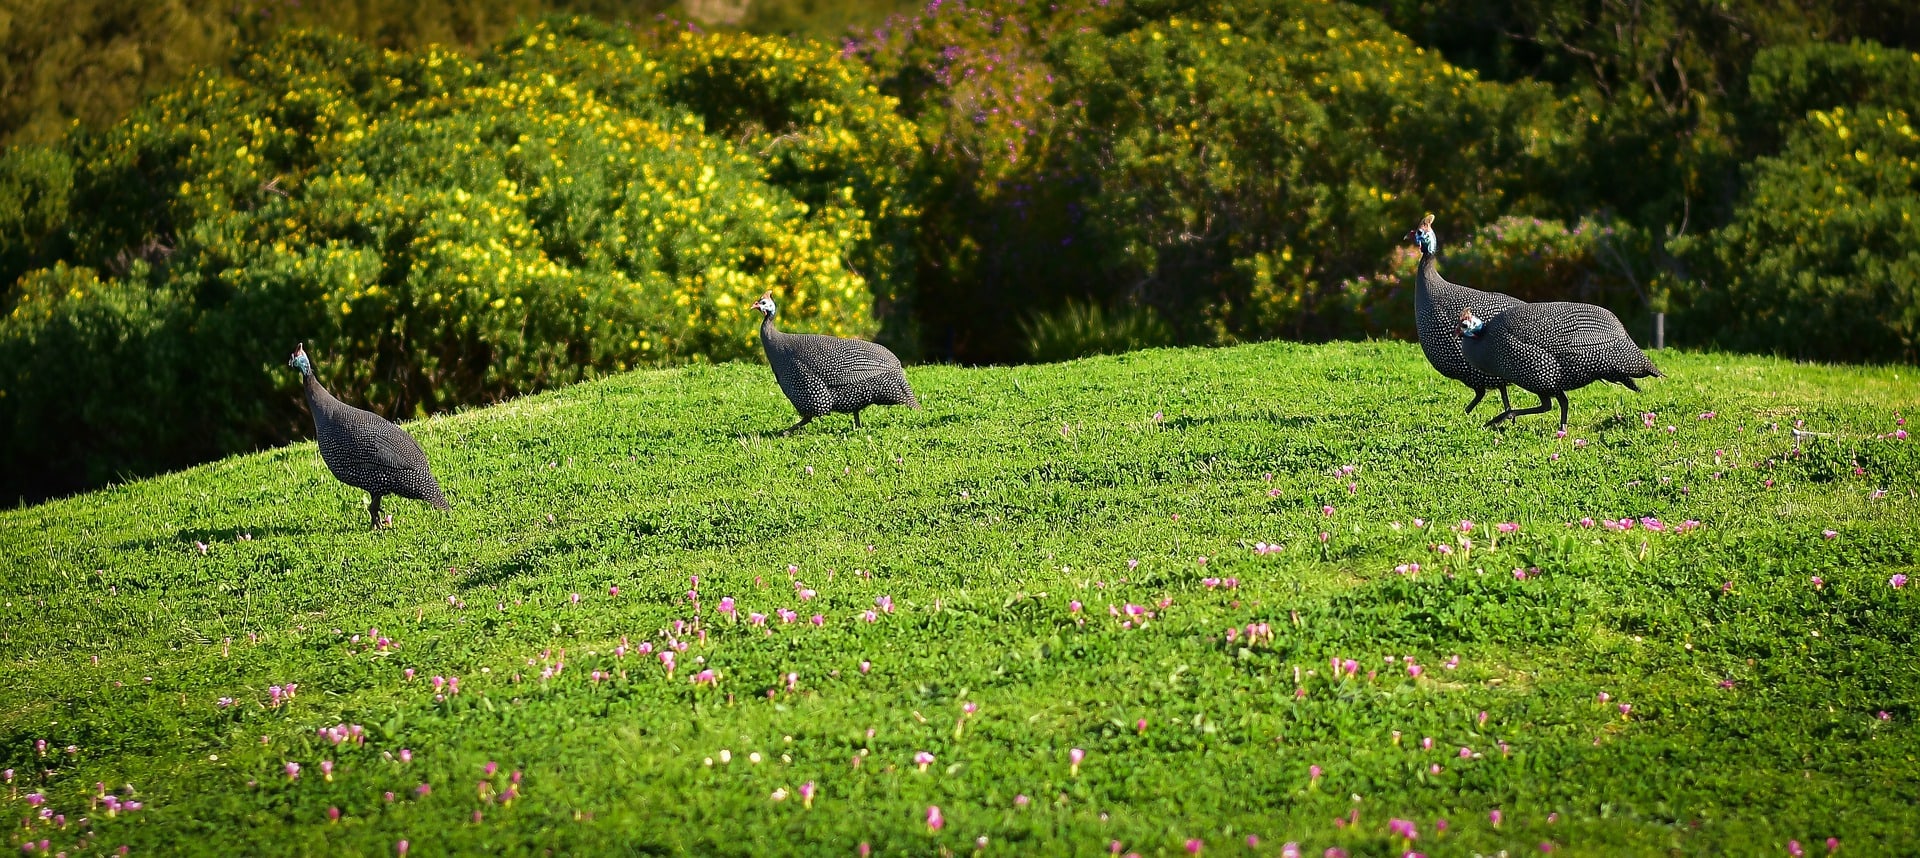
(299, 359)
(765, 304)
(1423, 236)
(1470, 324)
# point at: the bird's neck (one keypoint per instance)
(317, 395)
(1428, 274)
(767, 329)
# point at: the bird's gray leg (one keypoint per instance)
(804, 420)
(1563, 410)
(375, 511)
(1546, 404)
(856, 418)
(1479, 393)
(1504, 402)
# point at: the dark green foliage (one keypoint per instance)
(1821, 259)
(440, 231)
(1079, 329)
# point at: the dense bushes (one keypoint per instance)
(441, 231)
(1229, 164)
(1822, 258)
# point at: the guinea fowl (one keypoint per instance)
(1436, 307)
(1551, 348)
(822, 374)
(363, 449)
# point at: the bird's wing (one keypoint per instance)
(843, 361)
(1586, 327)
(394, 448)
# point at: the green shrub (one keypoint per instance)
(1821, 259)
(1228, 164)
(440, 230)
(1789, 81)
(1080, 329)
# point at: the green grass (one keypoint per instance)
(1014, 492)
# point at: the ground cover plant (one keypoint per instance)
(1166, 601)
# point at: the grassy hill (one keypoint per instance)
(1664, 687)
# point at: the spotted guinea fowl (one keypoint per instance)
(1551, 348)
(822, 374)
(1436, 310)
(362, 449)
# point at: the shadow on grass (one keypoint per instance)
(1289, 421)
(186, 537)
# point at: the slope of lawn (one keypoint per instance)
(1047, 558)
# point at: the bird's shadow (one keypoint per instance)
(1282, 421)
(186, 537)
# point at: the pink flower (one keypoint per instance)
(1818, 583)
(870, 616)
(806, 794)
(1829, 534)
(1793, 848)
(576, 598)
(706, 677)
(293, 771)
(1415, 670)
(1465, 526)
(1194, 845)
(1074, 756)
(1466, 752)
(726, 606)
(935, 821)
(1021, 800)
(613, 590)
(326, 769)
(1073, 607)
(1493, 817)
(1508, 527)
(1326, 510)
(923, 760)
(406, 755)
(1403, 828)
(1898, 581)
(400, 848)
(1313, 773)
(819, 620)
(884, 603)
(757, 619)
(865, 666)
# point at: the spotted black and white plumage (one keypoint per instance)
(363, 449)
(1551, 348)
(1436, 312)
(822, 374)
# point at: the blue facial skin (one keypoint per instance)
(300, 363)
(1424, 238)
(1471, 329)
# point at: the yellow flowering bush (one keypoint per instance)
(440, 230)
